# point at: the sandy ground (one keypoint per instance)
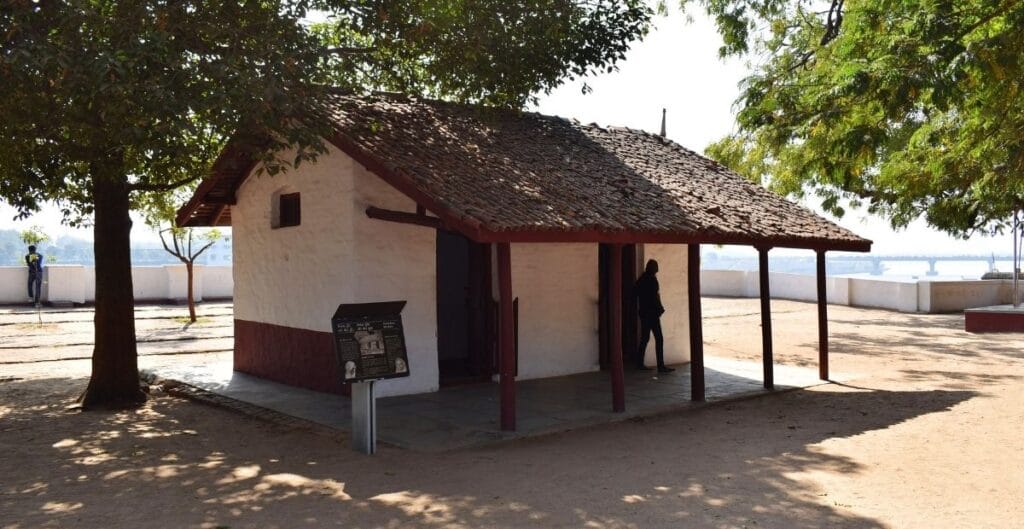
(926, 432)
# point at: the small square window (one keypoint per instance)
(290, 210)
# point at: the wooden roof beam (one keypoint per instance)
(217, 214)
(402, 217)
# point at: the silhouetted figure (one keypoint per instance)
(650, 308)
(34, 261)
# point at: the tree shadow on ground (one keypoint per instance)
(911, 338)
(176, 463)
(925, 342)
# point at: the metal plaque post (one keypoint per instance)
(370, 345)
(364, 417)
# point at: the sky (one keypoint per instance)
(676, 68)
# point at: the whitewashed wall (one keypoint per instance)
(90, 286)
(557, 287)
(729, 283)
(218, 282)
(397, 261)
(177, 282)
(904, 296)
(150, 282)
(297, 276)
(802, 287)
(893, 295)
(13, 284)
(747, 284)
(953, 296)
(77, 283)
(675, 323)
(64, 283)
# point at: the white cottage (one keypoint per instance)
(514, 237)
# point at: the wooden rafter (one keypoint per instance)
(403, 217)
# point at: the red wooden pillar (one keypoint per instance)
(696, 322)
(766, 319)
(822, 318)
(615, 331)
(506, 340)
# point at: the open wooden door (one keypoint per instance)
(465, 332)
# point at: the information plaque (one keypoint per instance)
(369, 341)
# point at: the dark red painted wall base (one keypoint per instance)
(994, 321)
(297, 357)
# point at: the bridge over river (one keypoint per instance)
(877, 261)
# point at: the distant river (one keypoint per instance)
(946, 270)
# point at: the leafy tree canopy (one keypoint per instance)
(491, 51)
(910, 107)
(156, 86)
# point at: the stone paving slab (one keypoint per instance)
(49, 336)
(75, 352)
(68, 334)
(13, 315)
(467, 416)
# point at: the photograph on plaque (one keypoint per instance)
(370, 342)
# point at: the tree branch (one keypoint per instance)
(834, 22)
(349, 50)
(1001, 10)
(201, 250)
(164, 242)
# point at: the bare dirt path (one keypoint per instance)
(926, 433)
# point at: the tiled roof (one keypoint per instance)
(506, 175)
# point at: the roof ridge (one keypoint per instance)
(526, 173)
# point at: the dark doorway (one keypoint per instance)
(630, 322)
(465, 345)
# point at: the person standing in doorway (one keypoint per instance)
(650, 308)
(34, 261)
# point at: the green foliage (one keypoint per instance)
(159, 211)
(912, 107)
(144, 92)
(490, 51)
(34, 236)
(148, 90)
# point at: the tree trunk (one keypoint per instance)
(115, 371)
(191, 298)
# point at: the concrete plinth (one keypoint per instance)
(997, 318)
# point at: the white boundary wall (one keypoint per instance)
(77, 283)
(903, 296)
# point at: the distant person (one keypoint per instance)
(34, 261)
(650, 308)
